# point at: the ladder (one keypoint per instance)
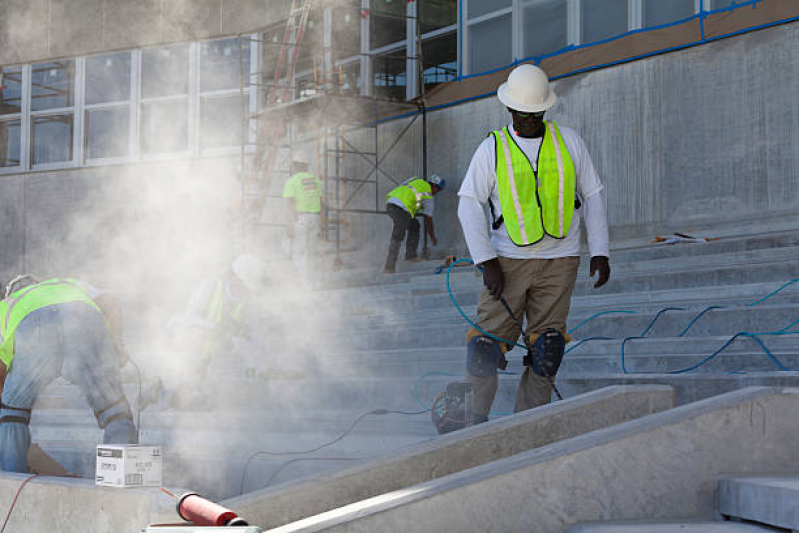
(270, 134)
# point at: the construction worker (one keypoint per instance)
(411, 199)
(304, 193)
(539, 183)
(214, 324)
(51, 329)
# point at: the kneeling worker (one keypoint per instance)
(412, 198)
(53, 329)
(539, 183)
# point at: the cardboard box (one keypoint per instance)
(127, 465)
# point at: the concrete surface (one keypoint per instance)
(660, 466)
(667, 527)
(771, 499)
(452, 453)
(76, 505)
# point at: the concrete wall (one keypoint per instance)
(60, 504)
(32, 30)
(690, 140)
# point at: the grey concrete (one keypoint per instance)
(667, 527)
(660, 466)
(47, 29)
(770, 499)
(452, 453)
(75, 505)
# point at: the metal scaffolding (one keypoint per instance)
(323, 114)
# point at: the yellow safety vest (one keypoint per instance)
(214, 315)
(535, 203)
(25, 301)
(411, 194)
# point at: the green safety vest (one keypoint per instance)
(25, 301)
(214, 315)
(412, 194)
(535, 204)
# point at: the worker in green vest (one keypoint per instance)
(411, 199)
(303, 191)
(214, 324)
(537, 181)
(51, 329)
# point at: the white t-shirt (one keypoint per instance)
(480, 185)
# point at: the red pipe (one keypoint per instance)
(194, 508)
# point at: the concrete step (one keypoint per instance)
(454, 452)
(688, 387)
(770, 499)
(668, 527)
(449, 328)
(694, 444)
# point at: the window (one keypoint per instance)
(602, 19)
(107, 132)
(164, 127)
(389, 22)
(220, 67)
(545, 26)
(51, 139)
(440, 60)
(10, 117)
(220, 122)
(346, 32)
(52, 112)
(220, 97)
(657, 12)
(164, 100)
(108, 100)
(478, 8)
(312, 42)
(437, 14)
(10, 143)
(390, 75)
(10, 90)
(490, 44)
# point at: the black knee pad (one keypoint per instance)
(546, 353)
(483, 357)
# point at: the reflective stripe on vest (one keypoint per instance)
(412, 194)
(535, 203)
(25, 301)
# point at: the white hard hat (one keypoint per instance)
(527, 90)
(249, 270)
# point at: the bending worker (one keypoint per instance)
(539, 183)
(411, 199)
(304, 192)
(53, 329)
(214, 324)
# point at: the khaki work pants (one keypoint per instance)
(540, 290)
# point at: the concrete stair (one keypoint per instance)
(395, 341)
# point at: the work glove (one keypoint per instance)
(492, 277)
(601, 265)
